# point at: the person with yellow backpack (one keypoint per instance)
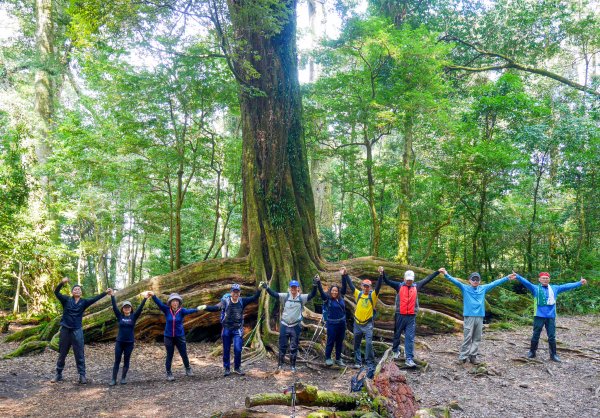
(366, 301)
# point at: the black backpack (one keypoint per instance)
(358, 381)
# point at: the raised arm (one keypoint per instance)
(160, 304)
(313, 292)
(530, 286)
(453, 280)
(251, 299)
(138, 311)
(568, 286)
(348, 281)
(495, 283)
(270, 291)
(91, 301)
(62, 298)
(422, 283)
(391, 283)
(113, 301)
(324, 295)
(378, 284)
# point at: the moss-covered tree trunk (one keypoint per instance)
(279, 235)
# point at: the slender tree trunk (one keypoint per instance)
(405, 192)
(140, 275)
(18, 289)
(178, 206)
(371, 196)
(279, 234)
(217, 216)
(529, 249)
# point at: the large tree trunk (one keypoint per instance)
(279, 235)
(405, 192)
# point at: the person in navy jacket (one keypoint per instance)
(232, 318)
(335, 322)
(125, 338)
(71, 331)
(544, 302)
(174, 335)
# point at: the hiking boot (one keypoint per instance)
(123, 381)
(357, 365)
(189, 372)
(328, 362)
(554, 357)
(396, 355)
(293, 369)
(340, 363)
(531, 354)
(473, 360)
(461, 361)
(112, 382)
(279, 368)
(226, 373)
(170, 377)
(239, 372)
(82, 379)
(410, 363)
(57, 378)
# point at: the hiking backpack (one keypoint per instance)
(360, 294)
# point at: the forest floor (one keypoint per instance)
(510, 386)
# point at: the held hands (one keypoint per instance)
(380, 270)
(316, 279)
(201, 307)
(583, 281)
(443, 271)
(65, 280)
(109, 291)
(343, 271)
(146, 294)
(512, 276)
(149, 294)
(264, 285)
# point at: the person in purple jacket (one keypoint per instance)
(174, 335)
(544, 305)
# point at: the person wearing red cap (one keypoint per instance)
(544, 305)
(366, 300)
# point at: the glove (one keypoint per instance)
(264, 285)
(201, 307)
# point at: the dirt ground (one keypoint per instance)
(509, 387)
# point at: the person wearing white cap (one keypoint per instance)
(125, 338)
(405, 312)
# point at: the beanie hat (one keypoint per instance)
(409, 275)
(126, 303)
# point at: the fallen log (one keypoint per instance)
(306, 395)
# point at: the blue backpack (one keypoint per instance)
(325, 312)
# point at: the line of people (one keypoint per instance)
(292, 303)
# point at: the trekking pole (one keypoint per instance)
(313, 340)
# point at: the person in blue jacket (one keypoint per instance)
(174, 335)
(125, 338)
(544, 303)
(334, 305)
(473, 311)
(232, 318)
(71, 331)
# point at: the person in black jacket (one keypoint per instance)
(232, 318)
(405, 312)
(334, 305)
(125, 338)
(71, 333)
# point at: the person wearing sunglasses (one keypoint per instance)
(473, 311)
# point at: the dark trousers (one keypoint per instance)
(70, 338)
(170, 344)
(289, 336)
(237, 337)
(538, 324)
(335, 336)
(122, 349)
(406, 324)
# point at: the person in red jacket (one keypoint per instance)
(407, 306)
